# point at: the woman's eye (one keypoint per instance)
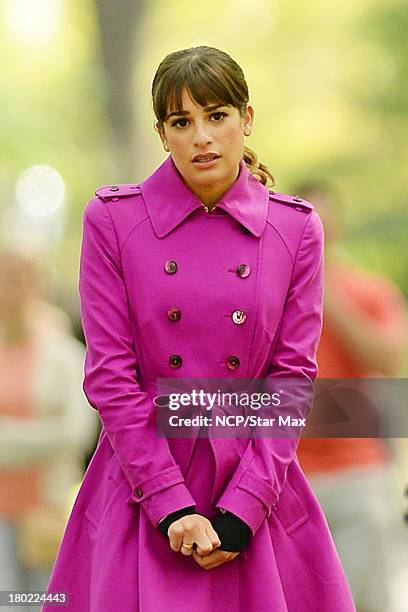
(183, 122)
(178, 122)
(219, 115)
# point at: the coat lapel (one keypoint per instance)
(170, 201)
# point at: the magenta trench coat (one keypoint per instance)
(112, 557)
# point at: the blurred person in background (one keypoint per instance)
(46, 424)
(364, 334)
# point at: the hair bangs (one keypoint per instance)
(204, 84)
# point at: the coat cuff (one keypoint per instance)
(250, 498)
(162, 494)
(232, 531)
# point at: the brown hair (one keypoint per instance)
(210, 76)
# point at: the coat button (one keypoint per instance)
(238, 316)
(114, 188)
(244, 229)
(174, 314)
(223, 510)
(161, 401)
(139, 492)
(175, 361)
(232, 362)
(170, 266)
(243, 270)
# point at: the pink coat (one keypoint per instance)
(147, 249)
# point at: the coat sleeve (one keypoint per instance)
(260, 476)
(110, 383)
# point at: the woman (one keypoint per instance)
(197, 272)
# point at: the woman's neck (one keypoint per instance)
(209, 196)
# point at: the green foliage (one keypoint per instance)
(327, 80)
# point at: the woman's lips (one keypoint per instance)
(206, 161)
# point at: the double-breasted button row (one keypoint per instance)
(232, 362)
(243, 270)
(174, 314)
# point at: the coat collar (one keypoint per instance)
(169, 200)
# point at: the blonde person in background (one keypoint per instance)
(46, 425)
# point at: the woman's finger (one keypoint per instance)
(211, 541)
(176, 535)
(204, 544)
(187, 548)
(213, 535)
(187, 542)
(214, 559)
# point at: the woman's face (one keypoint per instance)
(216, 131)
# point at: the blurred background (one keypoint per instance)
(328, 82)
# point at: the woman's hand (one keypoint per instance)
(193, 529)
(214, 559)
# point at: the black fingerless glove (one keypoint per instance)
(232, 531)
(174, 516)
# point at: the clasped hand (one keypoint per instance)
(197, 529)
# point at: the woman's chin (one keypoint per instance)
(208, 177)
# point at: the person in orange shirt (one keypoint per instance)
(364, 335)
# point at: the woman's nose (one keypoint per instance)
(202, 135)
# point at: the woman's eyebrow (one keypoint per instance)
(207, 109)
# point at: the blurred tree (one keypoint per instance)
(327, 81)
(120, 27)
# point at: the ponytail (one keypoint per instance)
(258, 169)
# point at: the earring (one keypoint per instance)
(247, 130)
(165, 146)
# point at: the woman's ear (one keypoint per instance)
(248, 120)
(159, 129)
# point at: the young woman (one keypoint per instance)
(198, 272)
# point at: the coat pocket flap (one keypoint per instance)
(290, 510)
(257, 486)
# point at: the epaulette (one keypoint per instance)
(114, 192)
(298, 203)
